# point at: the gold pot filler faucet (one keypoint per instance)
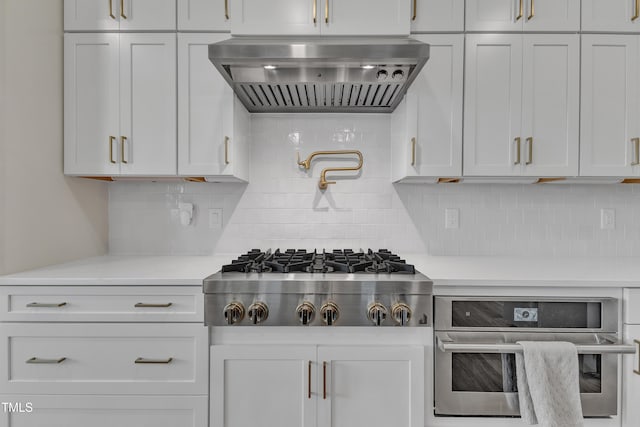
(323, 184)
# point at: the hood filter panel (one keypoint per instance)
(315, 97)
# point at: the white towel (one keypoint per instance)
(548, 384)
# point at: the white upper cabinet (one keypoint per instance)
(148, 104)
(551, 104)
(523, 15)
(366, 17)
(433, 147)
(610, 112)
(315, 17)
(213, 126)
(91, 104)
(611, 15)
(437, 15)
(521, 105)
(120, 104)
(114, 15)
(205, 15)
(493, 104)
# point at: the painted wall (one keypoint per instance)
(282, 206)
(45, 217)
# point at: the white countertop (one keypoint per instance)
(444, 271)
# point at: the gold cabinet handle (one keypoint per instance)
(415, 10)
(226, 9)
(146, 305)
(326, 11)
(637, 371)
(532, 12)
(123, 141)
(636, 148)
(112, 139)
(153, 361)
(46, 304)
(111, 15)
(315, 11)
(324, 380)
(413, 151)
(517, 141)
(226, 150)
(521, 12)
(637, 14)
(309, 388)
(530, 146)
(38, 360)
(122, 10)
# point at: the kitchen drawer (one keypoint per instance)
(631, 305)
(107, 411)
(101, 304)
(104, 358)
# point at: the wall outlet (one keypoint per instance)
(215, 219)
(451, 218)
(607, 219)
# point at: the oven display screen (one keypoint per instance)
(526, 314)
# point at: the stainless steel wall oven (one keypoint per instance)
(476, 337)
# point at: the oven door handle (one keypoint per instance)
(445, 346)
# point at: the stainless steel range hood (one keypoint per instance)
(334, 75)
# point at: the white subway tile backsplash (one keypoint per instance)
(283, 207)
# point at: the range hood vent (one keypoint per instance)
(333, 75)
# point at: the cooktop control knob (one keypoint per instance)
(258, 312)
(401, 313)
(306, 312)
(377, 313)
(329, 313)
(233, 312)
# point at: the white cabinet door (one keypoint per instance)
(519, 15)
(371, 386)
(204, 98)
(551, 104)
(494, 15)
(438, 89)
(91, 15)
(277, 17)
(263, 386)
(91, 104)
(610, 15)
(114, 15)
(366, 17)
(143, 15)
(437, 15)
(631, 380)
(493, 103)
(148, 104)
(107, 411)
(609, 105)
(551, 15)
(205, 15)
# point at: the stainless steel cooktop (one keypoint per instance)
(318, 288)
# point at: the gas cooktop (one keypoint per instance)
(336, 261)
(341, 287)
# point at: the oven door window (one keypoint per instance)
(489, 372)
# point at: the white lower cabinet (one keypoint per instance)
(304, 386)
(631, 380)
(106, 411)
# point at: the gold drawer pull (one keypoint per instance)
(112, 139)
(145, 305)
(45, 361)
(326, 11)
(636, 147)
(153, 361)
(521, 11)
(46, 304)
(111, 15)
(530, 147)
(226, 150)
(517, 140)
(637, 14)
(413, 151)
(415, 10)
(637, 371)
(315, 11)
(532, 12)
(226, 9)
(122, 10)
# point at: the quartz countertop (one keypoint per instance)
(443, 270)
